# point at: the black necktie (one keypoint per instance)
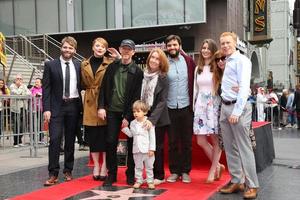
(67, 81)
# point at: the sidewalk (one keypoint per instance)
(18, 159)
(280, 180)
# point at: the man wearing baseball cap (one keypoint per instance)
(121, 86)
(128, 43)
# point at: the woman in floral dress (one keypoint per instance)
(206, 107)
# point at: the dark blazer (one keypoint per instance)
(190, 69)
(53, 86)
(158, 114)
(132, 90)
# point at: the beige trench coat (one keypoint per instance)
(92, 85)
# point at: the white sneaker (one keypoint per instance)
(173, 178)
(22, 145)
(295, 126)
(186, 178)
(16, 146)
(158, 181)
(288, 126)
(41, 142)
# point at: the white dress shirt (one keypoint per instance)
(143, 139)
(73, 78)
(237, 72)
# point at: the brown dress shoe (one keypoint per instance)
(250, 193)
(68, 176)
(51, 181)
(232, 188)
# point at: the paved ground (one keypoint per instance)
(281, 180)
(20, 173)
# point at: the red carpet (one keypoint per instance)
(196, 190)
(259, 124)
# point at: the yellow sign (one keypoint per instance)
(260, 22)
(2, 50)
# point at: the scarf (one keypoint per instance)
(148, 87)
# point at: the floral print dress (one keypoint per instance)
(207, 105)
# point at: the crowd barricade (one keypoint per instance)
(272, 113)
(22, 124)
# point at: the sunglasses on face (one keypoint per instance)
(223, 58)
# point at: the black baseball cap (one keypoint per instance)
(128, 43)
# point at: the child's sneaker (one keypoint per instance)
(151, 186)
(137, 185)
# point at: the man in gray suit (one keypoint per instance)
(235, 119)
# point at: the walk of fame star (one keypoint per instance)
(117, 193)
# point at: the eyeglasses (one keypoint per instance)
(19, 79)
(223, 58)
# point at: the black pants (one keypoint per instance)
(18, 125)
(80, 133)
(298, 117)
(63, 124)
(180, 140)
(159, 171)
(114, 122)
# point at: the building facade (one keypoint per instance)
(146, 22)
(281, 52)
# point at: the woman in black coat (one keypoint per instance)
(155, 93)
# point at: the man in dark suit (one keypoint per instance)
(121, 86)
(62, 105)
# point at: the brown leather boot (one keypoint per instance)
(250, 193)
(232, 188)
(68, 176)
(51, 181)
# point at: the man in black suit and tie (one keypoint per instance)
(62, 105)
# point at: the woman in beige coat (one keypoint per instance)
(92, 72)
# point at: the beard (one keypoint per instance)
(174, 55)
(67, 56)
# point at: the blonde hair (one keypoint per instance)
(140, 105)
(70, 40)
(102, 41)
(232, 34)
(163, 60)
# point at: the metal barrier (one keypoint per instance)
(272, 113)
(37, 48)
(21, 122)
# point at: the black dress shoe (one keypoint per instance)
(96, 178)
(102, 178)
(109, 181)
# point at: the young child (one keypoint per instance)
(143, 144)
